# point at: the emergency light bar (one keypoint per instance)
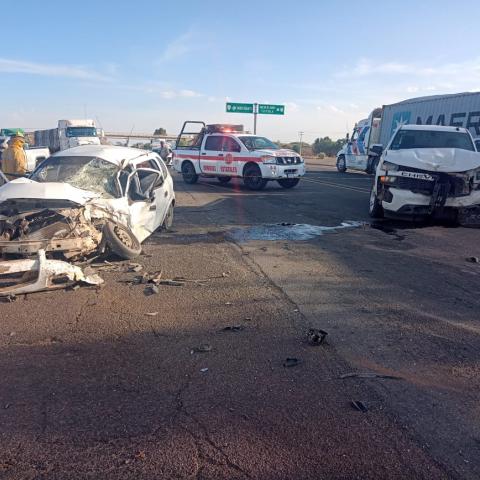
(224, 128)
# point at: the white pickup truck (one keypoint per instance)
(224, 151)
(428, 170)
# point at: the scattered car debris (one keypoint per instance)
(8, 299)
(203, 370)
(369, 375)
(315, 336)
(291, 362)
(358, 405)
(205, 348)
(135, 267)
(473, 260)
(233, 328)
(151, 314)
(152, 290)
(30, 275)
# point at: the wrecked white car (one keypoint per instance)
(85, 200)
(428, 171)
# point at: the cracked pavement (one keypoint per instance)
(93, 387)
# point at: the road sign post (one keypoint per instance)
(256, 109)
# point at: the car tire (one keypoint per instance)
(168, 220)
(288, 182)
(224, 180)
(252, 178)
(121, 241)
(375, 209)
(189, 174)
(341, 164)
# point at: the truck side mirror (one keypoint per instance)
(347, 137)
(376, 149)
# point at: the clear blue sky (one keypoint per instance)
(154, 64)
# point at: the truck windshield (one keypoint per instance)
(81, 132)
(258, 143)
(405, 139)
(88, 173)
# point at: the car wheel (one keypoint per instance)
(121, 241)
(288, 182)
(168, 221)
(375, 209)
(189, 174)
(224, 179)
(341, 164)
(252, 178)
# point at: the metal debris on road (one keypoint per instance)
(201, 349)
(203, 370)
(315, 336)
(473, 260)
(8, 299)
(369, 375)
(233, 328)
(291, 362)
(151, 290)
(36, 275)
(151, 314)
(135, 267)
(358, 405)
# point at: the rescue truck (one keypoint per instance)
(226, 151)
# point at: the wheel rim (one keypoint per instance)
(188, 171)
(123, 237)
(341, 163)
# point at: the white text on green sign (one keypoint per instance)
(271, 109)
(239, 107)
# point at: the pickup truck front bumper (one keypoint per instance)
(277, 172)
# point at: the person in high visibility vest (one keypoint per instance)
(14, 159)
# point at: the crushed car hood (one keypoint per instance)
(23, 188)
(448, 160)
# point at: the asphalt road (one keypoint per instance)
(114, 383)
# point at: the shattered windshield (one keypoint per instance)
(258, 143)
(88, 173)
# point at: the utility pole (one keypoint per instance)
(301, 143)
(255, 113)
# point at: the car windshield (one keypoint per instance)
(88, 173)
(81, 132)
(405, 139)
(258, 143)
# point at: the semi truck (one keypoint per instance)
(68, 134)
(362, 150)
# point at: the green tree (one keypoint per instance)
(160, 131)
(327, 146)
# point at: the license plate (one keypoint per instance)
(418, 176)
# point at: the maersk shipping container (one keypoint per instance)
(458, 110)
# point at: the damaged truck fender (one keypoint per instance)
(35, 275)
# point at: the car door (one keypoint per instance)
(351, 155)
(211, 155)
(232, 161)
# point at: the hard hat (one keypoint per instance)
(19, 133)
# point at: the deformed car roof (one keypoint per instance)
(110, 153)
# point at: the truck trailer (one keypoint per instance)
(68, 134)
(362, 150)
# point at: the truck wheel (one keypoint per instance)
(121, 241)
(188, 172)
(341, 164)
(224, 179)
(252, 178)
(288, 182)
(375, 209)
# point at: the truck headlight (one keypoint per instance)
(269, 159)
(389, 166)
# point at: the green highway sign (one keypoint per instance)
(239, 107)
(271, 109)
